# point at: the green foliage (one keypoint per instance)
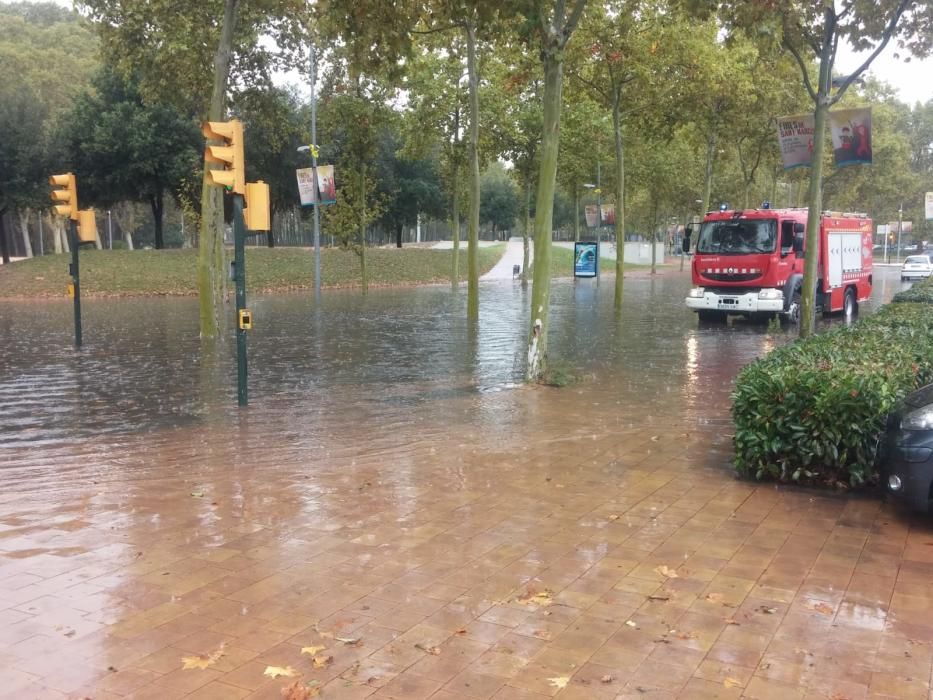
(498, 199)
(171, 272)
(812, 411)
(919, 293)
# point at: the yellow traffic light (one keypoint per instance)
(87, 226)
(257, 215)
(67, 196)
(229, 155)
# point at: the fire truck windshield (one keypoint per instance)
(738, 237)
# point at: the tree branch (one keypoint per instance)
(803, 69)
(886, 37)
(590, 84)
(574, 18)
(437, 29)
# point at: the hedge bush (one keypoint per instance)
(812, 411)
(919, 293)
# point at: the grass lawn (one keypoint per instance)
(172, 272)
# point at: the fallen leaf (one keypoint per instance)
(613, 517)
(542, 599)
(659, 597)
(765, 609)
(322, 661)
(631, 623)
(461, 631)
(666, 571)
(559, 682)
(714, 597)
(277, 671)
(821, 608)
(312, 651)
(655, 438)
(732, 683)
(606, 679)
(542, 634)
(685, 635)
(434, 651)
(202, 661)
(297, 691)
(197, 494)
(349, 641)
(730, 621)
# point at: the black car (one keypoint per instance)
(907, 451)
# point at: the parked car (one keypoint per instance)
(916, 267)
(906, 451)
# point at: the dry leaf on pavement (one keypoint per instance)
(732, 683)
(312, 651)
(631, 623)
(349, 641)
(280, 671)
(714, 597)
(606, 679)
(665, 571)
(559, 682)
(297, 691)
(322, 661)
(821, 608)
(542, 599)
(434, 651)
(202, 661)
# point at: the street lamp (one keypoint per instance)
(313, 151)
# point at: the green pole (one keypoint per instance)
(75, 279)
(239, 262)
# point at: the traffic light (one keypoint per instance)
(66, 198)
(256, 215)
(230, 155)
(87, 226)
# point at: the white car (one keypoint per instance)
(916, 266)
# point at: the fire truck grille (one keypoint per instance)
(732, 277)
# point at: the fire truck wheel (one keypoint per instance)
(849, 305)
(793, 309)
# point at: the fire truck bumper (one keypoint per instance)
(764, 301)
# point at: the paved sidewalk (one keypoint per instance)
(514, 255)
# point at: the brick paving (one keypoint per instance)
(616, 565)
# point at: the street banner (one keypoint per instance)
(305, 186)
(905, 227)
(851, 133)
(325, 185)
(883, 229)
(609, 214)
(585, 259)
(591, 212)
(928, 206)
(795, 137)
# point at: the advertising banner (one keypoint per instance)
(928, 206)
(325, 185)
(795, 137)
(851, 133)
(609, 214)
(585, 259)
(591, 213)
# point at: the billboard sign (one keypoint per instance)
(585, 259)
(795, 138)
(325, 185)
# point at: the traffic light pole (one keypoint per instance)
(239, 263)
(75, 278)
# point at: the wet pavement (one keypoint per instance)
(395, 516)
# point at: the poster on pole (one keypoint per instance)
(851, 133)
(928, 206)
(609, 214)
(326, 185)
(795, 137)
(585, 259)
(590, 211)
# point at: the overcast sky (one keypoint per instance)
(913, 80)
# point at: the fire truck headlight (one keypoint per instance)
(696, 293)
(770, 294)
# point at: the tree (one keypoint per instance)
(554, 27)
(167, 45)
(812, 32)
(123, 149)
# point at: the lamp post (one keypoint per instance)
(312, 149)
(900, 226)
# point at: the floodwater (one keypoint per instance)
(393, 481)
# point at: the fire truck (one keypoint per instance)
(750, 263)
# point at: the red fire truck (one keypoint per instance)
(750, 263)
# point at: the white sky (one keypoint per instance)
(913, 81)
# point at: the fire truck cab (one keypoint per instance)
(751, 263)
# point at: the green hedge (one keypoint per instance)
(812, 411)
(919, 293)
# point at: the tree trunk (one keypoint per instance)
(398, 235)
(708, 177)
(620, 198)
(576, 213)
(544, 215)
(54, 227)
(24, 229)
(526, 231)
(473, 217)
(362, 206)
(211, 273)
(270, 236)
(63, 227)
(4, 243)
(157, 203)
(455, 228)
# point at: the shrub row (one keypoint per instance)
(812, 411)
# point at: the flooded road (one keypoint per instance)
(392, 481)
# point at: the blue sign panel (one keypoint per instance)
(585, 259)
